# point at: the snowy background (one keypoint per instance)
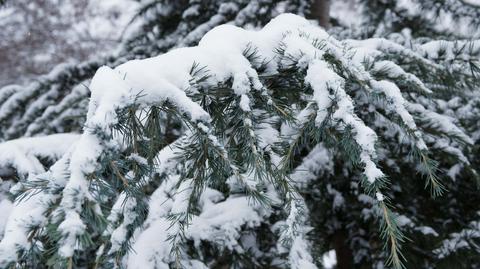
(38, 35)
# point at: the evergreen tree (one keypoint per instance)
(57, 101)
(229, 153)
(419, 24)
(449, 19)
(38, 35)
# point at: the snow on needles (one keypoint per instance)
(23, 154)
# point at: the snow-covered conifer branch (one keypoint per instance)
(174, 142)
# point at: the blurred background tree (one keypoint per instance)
(38, 35)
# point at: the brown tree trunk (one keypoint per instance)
(320, 10)
(342, 250)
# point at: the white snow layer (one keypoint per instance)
(23, 154)
(29, 213)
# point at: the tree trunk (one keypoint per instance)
(342, 250)
(320, 10)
